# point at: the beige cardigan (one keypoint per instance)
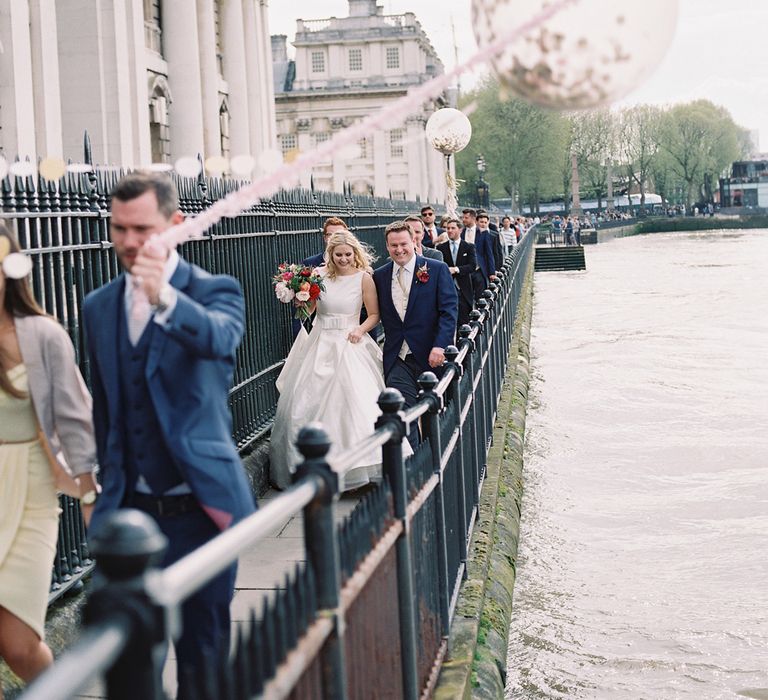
(60, 398)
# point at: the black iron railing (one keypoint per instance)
(64, 227)
(368, 614)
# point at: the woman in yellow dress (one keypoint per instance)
(44, 410)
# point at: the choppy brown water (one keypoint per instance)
(643, 568)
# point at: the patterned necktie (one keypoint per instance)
(138, 314)
(401, 281)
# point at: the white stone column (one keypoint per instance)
(253, 66)
(180, 49)
(45, 80)
(17, 136)
(236, 76)
(137, 60)
(268, 92)
(413, 153)
(209, 78)
(380, 159)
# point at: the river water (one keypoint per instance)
(643, 568)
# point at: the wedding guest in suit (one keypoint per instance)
(161, 340)
(417, 229)
(483, 222)
(486, 263)
(45, 410)
(432, 232)
(460, 258)
(418, 306)
(331, 225)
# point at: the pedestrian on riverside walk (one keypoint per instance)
(45, 409)
(161, 372)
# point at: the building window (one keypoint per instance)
(397, 194)
(320, 137)
(363, 146)
(318, 62)
(159, 131)
(393, 57)
(356, 60)
(224, 128)
(288, 142)
(153, 26)
(217, 28)
(396, 143)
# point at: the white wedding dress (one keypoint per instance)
(330, 380)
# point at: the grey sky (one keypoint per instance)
(719, 52)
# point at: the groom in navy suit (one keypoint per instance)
(160, 375)
(418, 306)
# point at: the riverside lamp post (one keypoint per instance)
(482, 185)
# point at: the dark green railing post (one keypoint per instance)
(391, 405)
(322, 547)
(127, 547)
(454, 396)
(431, 427)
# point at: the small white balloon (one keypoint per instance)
(16, 266)
(3, 167)
(448, 130)
(79, 168)
(586, 55)
(159, 167)
(22, 168)
(216, 165)
(242, 165)
(187, 166)
(270, 160)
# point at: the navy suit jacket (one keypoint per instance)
(314, 261)
(430, 317)
(189, 371)
(486, 260)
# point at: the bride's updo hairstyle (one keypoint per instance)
(364, 257)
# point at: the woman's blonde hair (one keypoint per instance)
(364, 258)
(18, 301)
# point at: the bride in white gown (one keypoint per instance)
(333, 374)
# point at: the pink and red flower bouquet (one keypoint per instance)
(297, 285)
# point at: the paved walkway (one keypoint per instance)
(259, 572)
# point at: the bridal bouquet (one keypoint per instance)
(297, 284)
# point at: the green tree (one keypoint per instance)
(701, 140)
(593, 142)
(638, 140)
(519, 142)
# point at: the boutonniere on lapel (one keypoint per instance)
(422, 274)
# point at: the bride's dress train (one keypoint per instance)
(330, 380)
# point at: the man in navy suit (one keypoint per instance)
(331, 225)
(460, 258)
(417, 229)
(483, 225)
(431, 230)
(418, 307)
(161, 341)
(486, 263)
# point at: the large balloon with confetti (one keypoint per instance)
(588, 54)
(448, 130)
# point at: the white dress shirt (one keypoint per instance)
(469, 234)
(137, 326)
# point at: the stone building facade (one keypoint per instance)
(149, 80)
(344, 69)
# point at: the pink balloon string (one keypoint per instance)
(394, 113)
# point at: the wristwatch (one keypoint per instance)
(89, 497)
(164, 298)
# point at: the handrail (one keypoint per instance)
(196, 569)
(96, 650)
